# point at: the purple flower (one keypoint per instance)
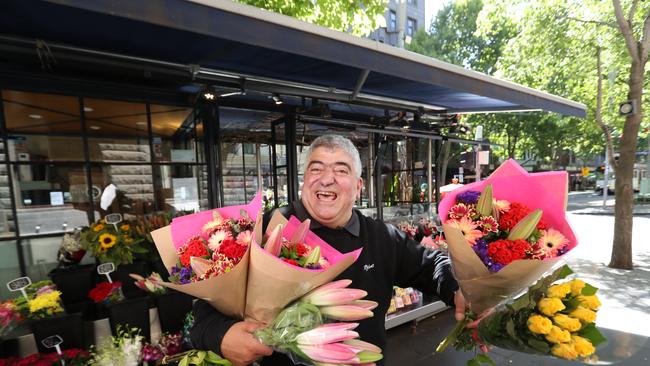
(562, 250)
(468, 197)
(151, 353)
(495, 267)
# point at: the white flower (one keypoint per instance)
(215, 240)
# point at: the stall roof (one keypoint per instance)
(229, 40)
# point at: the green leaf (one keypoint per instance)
(483, 358)
(510, 328)
(184, 361)
(539, 346)
(571, 304)
(592, 333)
(589, 290)
(473, 362)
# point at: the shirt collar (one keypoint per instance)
(353, 226)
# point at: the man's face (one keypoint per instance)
(330, 186)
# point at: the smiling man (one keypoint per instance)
(332, 184)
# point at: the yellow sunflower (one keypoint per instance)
(124, 227)
(99, 227)
(107, 241)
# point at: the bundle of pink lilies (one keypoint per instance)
(300, 331)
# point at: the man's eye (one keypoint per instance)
(341, 171)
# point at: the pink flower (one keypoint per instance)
(468, 228)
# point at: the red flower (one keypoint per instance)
(231, 249)
(195, 247)
(520, 249)
(517, 211)
(103, 290)
(291, 261)
(499, 252)
(302, 249)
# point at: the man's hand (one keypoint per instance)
(461, 305)
(240, 347)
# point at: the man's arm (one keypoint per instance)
(226, 336)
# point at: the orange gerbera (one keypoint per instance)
(468, 228)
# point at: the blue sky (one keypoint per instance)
(431, 7)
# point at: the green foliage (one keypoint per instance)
(357, 17)
(198, 358)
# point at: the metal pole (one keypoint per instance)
(258, 165)
(371, 170)
(429, 172)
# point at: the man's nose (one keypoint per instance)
(327, 177)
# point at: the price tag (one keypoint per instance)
(20, 284)
(113, 219)
(106, 269)
(54, 341)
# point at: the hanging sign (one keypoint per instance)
(20, 284)
(106, 269)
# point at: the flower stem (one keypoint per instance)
(452, 336)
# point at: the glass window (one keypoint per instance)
(117, 131)
(239, 162)
(9, 268)
(50, 198)
(392, 21)
(7, 221)
(410, 27)
(173, 134)
(179, 188)
(135, 193)
(42, 127)
(40, 256)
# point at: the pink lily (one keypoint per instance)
(335, 353)
(200, 265)
(362, 345)
(325, 335)
(332, 285)
(328, 297)
(274, 242)
(366, 304)
(300, 233)
(345, 312)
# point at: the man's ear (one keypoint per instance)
(359, 186)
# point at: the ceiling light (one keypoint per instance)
(141, 123)
(231, 94)
(88, 109)
(208, 95)
(35, 116)
(276, 99)
(94, 128)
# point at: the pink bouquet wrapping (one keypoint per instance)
(485, 278)
(258, 284)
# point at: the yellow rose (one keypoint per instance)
(540, 324)
(590, 302)
(567, 322)
(558, 335)
(582, 346)
(585, 315)
(560, 291)
(550, 305)
(564, 350)
(576, 287)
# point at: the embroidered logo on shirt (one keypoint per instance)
(367, 267)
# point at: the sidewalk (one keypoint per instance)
(623, 317)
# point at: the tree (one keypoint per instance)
(637, 40)
(358, 17)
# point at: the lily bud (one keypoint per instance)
(314, 256)
(200, 265)
(274, 242)
(366, 304)
(334, 284)
(301, 232)
(366, 356)
(525, 227)
(484, 205)
(325, 335)
(334, 353)
(345, 312)
(362, 346)
(329, 297)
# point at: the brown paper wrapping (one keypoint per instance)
(260, 286)
(482, 289)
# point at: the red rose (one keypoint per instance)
(231, 249)
(499, 252)
(517, 211)
(302, 249)
(195, 247)
(291, 261)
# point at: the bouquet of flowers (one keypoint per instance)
(68, 357)
(505, 232)
(109, 243)
(71, 251)
(168, 345)
(550, 318)
(150, 284)
(123, 349)
(244, 273)
(409, 229)
(107, 293)
(44, 301)
(300, 331)
(9, 316)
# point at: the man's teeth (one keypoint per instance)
(326, 195)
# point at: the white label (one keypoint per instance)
(484, 157)
(19, 283)
(52, 341)
(56, 198)
(105, 268)
(113, 219)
